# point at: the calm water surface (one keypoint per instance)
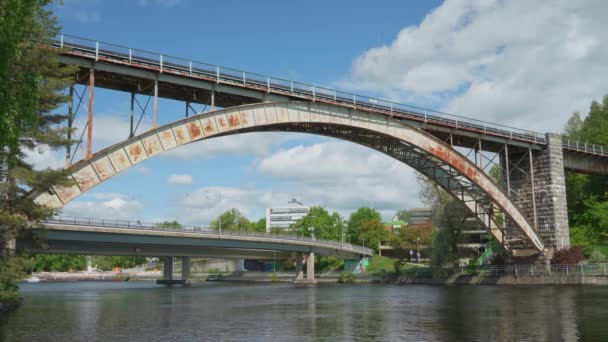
(92, 311)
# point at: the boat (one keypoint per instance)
(33, 279)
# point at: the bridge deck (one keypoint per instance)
(94, 236)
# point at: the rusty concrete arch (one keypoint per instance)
(428, 155)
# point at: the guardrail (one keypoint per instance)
(138, 225)
(582, 270)
(219, 74)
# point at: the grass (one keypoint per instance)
(378, 264)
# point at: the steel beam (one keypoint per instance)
(90, 117)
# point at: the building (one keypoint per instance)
(284, 217)
(419, 215)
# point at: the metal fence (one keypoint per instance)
(138, 225)
(219, 74)
(582, 270)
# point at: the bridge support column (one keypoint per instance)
(186, 269)
(168, 268)
(539, 189)
(299, 267)
(310, 269)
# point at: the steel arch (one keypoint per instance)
(430, 156)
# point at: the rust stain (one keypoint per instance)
(208, 127)
(222, 122)
(245, 121)
(136, 152)
(180, 135)
(103, 168)
(166, 135)
(233, 119)
(195, 131)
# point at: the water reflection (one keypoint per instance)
(146, 312)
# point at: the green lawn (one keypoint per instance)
(378, 264)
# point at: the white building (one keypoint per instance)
(283, 217)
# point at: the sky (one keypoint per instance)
(520, 63)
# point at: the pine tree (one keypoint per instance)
(32, 89)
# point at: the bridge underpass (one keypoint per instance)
(530, 194)
(85, 236)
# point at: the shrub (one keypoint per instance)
(346, 278)
(568, 256)
(9, 297)
(275, 277)
(596, 256)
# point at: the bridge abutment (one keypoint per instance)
(538, 187)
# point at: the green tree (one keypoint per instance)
(403, 215)
(260, 226)
(32, 88)
(406, 238)
(356, 221)
(321, 224)
(232, 219)
(372, 233)
(170, 225)
(586, 194)
(107, 263)
(59, 263)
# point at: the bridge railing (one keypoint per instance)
(599, 269)
(584, 147)
(220, 74)
(138, 225)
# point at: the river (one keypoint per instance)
(142, 311)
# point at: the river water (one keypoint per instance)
(132, 311)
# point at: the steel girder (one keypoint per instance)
(425, 153)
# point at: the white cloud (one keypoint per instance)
(256, 144)
(43, 157)
(528, 64)
(104, 205)
(179, 179)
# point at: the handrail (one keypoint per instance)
(166, 63)
(219, 74)
(124, 224)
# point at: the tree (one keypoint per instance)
(409, 238)
(448, 216)
(321, 224)
(58, 263)
(403, 215)
(32, 88)
(107, 263)
(372, 233)
(260, 226)
(586, 194)
(232, 219)
(170, 225)
(356, 221)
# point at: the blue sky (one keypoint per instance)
(528, 65)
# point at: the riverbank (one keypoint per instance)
(11, 304)
(463, 279)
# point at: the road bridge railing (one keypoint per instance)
(219, 74)
(199, 230)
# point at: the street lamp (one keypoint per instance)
(417, 250)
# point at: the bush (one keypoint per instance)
(568, 256)
(275, 277)
(346, 278)
(9, 297)
(596, 256)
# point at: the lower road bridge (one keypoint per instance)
(86, 236)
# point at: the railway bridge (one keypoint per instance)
(524, 209)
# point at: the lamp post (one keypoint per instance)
(417, 250)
